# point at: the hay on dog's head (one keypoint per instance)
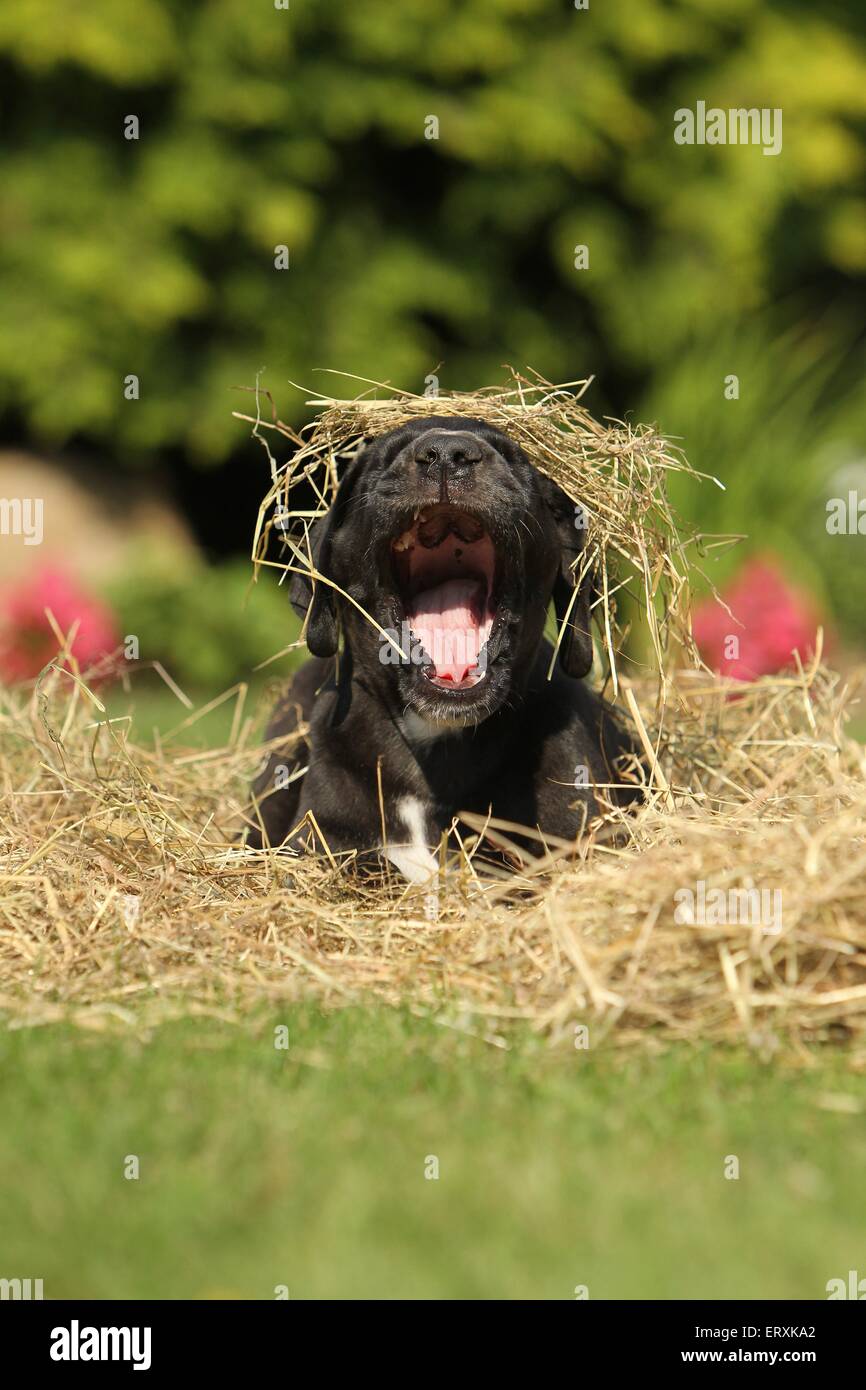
(616, 474)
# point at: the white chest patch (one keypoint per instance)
(413, 857)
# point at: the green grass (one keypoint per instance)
(305, 1167)
(152, 706)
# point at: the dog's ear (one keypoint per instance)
(311, 599)
(572, 609)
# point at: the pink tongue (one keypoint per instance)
(445, 622)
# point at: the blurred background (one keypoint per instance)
(196, 191)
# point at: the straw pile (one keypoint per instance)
(125, 896)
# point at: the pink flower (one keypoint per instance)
(27, 641)
(775, 620)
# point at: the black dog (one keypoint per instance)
(445, 535)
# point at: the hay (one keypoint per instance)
(126, 899)
(123, 898)
(616, 473)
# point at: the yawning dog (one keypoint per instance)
(447, 538)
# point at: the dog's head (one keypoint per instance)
(444, 533)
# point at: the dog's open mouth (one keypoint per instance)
(445, 564)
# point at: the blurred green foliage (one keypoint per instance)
(209, 626)
(795, 438)
(262, 126)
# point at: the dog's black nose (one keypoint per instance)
(446, 456)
